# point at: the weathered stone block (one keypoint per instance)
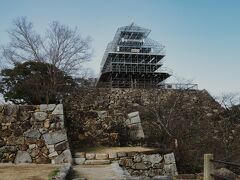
(46, 124)
(153, 158)
(101, 156)
(35, 152)
(121, 154)
(42, 160)
(154, 172)
(40, 116)
(170, 169)
(65, 157)
(23, 147)
(12, 140)
(32, 146)
(134, 117)
(47, 107)
(56, 118)
(162, 178)
(10, 110)
(122, 161)
(23, 157)
(8, 149)
(37, 124)
(54, 153)
(45, 150)
(112, 155)
(129, 163)
(61, 146)
(55, 137)
(139, 166)
(58, 109)
(79, 160)
(137, 158)
(43, 130)
(30, 140)
(80, 155)
(40, 143)
(136, 173)
(169, 158)
(90, 156)
(34, 133)
(102, 114)
(158, 166)
(97, 162)
(51, 148)
(136, 131)
(226, 173)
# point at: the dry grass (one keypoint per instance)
(26, 171)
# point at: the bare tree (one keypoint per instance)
(61, 46)
(86, 73)
(195, 122)
(228, 126)
(65, 48)
(228, 100)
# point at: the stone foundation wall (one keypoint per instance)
(33, 134)
(118, 103)
(149, 163)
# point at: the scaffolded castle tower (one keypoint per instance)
(132, 60)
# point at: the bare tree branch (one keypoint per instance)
(24, 43)
(66, 48)
(62, 46)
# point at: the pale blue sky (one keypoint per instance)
(202, 37)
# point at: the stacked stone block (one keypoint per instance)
(149, 163)
(33, 134)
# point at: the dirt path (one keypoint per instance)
(115, 149)
(99, 172)
(26, 171)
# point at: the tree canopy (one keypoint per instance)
(34, 82)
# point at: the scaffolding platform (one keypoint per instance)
(132, 60)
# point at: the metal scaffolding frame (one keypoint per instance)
(132, 59)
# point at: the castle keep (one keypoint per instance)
(132, 60)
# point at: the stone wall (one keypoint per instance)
(149, 163)
(33, 134)
(118, 103)
(192, 117)
(94, 128)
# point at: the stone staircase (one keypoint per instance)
(93, 166)
(82, 158)
(135, 165)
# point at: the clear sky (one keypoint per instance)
(202, 37)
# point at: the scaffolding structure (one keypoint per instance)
(132, 60)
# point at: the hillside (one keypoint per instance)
(190, 122)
